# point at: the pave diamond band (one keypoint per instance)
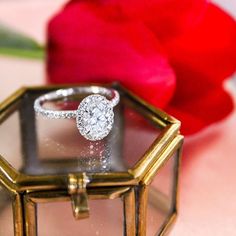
(94, 116)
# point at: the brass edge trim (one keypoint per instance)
(129, 212)
(31, 183)
(177, 176)
(11, 99)
(93, 194)
(160, 162)
(169, 223)
(155, 151)
(8, 175)
(142, 201)
(30, 217)
(17, 207)
(9, 102)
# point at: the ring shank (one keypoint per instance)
(112, 94)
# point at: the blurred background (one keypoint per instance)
(202, 212)
(30, 17)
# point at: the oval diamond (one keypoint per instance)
(95, 117)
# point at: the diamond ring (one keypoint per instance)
(94, 116)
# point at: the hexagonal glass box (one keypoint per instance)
(125, 184)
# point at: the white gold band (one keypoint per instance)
(64, 93)
(94, 116)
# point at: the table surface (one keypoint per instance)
(207, 191)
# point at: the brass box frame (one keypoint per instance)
(28, 190)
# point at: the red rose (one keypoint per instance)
(175, 54)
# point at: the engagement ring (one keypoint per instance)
(94, 116)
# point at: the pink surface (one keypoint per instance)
(207, 203)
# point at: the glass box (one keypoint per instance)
(125, 184)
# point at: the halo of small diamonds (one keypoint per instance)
(95, 117)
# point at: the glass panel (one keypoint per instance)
(161, 197)
(139, 134)
(60, 142)
(6, 216)
(106, 218)
(10, 144)
(56, 146)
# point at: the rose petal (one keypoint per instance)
(109, 43)
(98, 45)
(202, 59)
(208, 49)
(203, 107)
(167, 18)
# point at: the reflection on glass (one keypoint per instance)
(6, 216)
(139, 134)
(60, 145)
(50, 146)
(10, 140)
(160, 198)
(106, 219)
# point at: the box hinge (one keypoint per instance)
(77, 188)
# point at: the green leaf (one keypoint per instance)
(16, 44)
(32, 54)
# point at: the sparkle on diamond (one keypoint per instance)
(95, 117)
